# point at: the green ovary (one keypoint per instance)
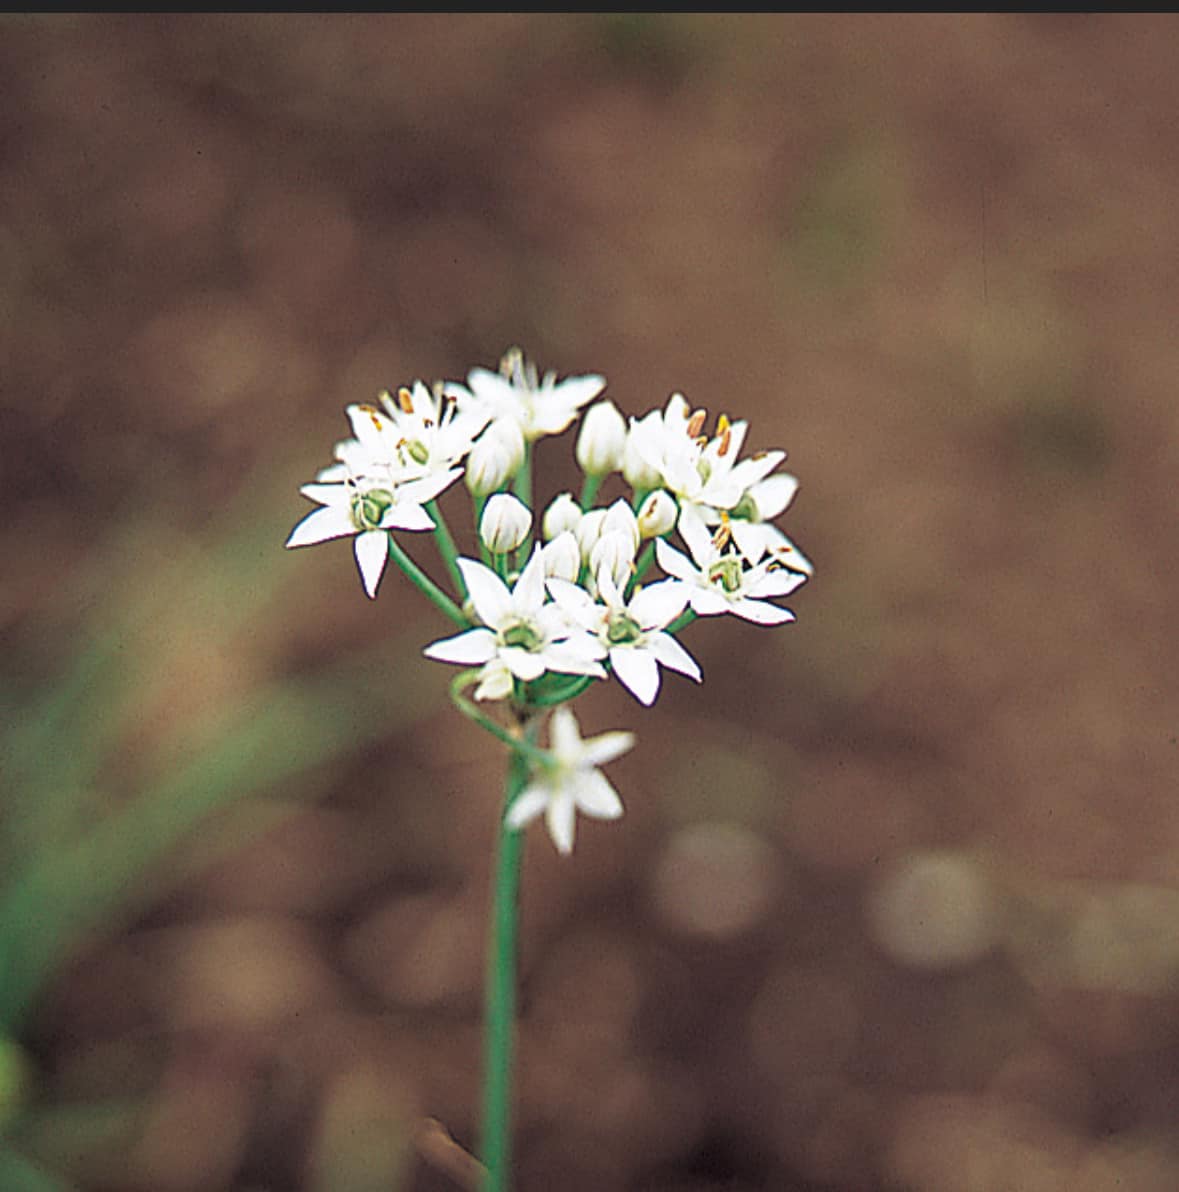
(727, 573)
(368, 508)
(524, 636)
(622, 631)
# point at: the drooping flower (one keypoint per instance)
(536, 405)
(368, 511)
(632, 633)
(572, 782)
(520, 631)
(718, 580)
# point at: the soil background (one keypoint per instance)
(895, 903)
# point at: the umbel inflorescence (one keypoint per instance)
(539, 621)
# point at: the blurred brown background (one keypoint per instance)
(895, 904)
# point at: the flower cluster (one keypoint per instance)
(546, 609)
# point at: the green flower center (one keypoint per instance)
(523, 635)
(622, 631)
(417, 451)
(745, 510)
(368, 508)
(726, 571)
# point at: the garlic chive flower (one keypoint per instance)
(520, 631)
(748, 523)
(718, 580)
(536, 405)
(505, 523)
(632, 633)
(571, 782)
(369, 512)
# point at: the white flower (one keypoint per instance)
(589, 530)
(505, 523)
(637, 472)
(602, 440)
(697, 470)
(369, 512)
(563, 513)
(536, 405)
(495, 458)
(613, 555)
(572, 782)
(657, 514)
(718, 581)
(632, 633)
(519, 631)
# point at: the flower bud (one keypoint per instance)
(658, 514)
(614, 552)
(602, 440)
(562, 558)
(620, 519)
(495, 458)
(505, 523)
(638, 472)
(589, 530)
(563, 513)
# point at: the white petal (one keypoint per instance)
(637, 671)
(778, 582)
(561, 821)
(495, 681)
(471, 648)
(696, 534)
(752, 538)
(707, 602)
(328, 494)
(658, 604)
(528, 804)
(575, 657)
(760, 612)
(595, 796)
(522, 664)
(565, 736)
(372, 550)
(773, 494)
(605, 747)
(489, 594)
(671, 654)
(428, 487)
(528, 594)
(576, 391)
(404, 515)
(674, 562)
(321, 525)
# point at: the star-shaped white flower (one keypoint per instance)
(697, 470)
(632, 633)
(719, 581)
(521, 634)
(572, 782)
(537, 405)
(368, 511)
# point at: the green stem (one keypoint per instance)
(642, 566)
(446, 547)
(685, 618)
(560, 694)
(518, 745)
(523, 490)
(500, 1000)
(426, 585)
(589, 490)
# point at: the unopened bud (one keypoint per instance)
(562, 558)
(495, 458)
(614, 552)
(602, 440)
(589, 530)
(505, 523)
(657, 514)
(563, 513)
(620, 519)
(639, 474)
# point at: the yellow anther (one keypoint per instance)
(726, 441)
(404, 400)
(696, 424)
(722, 424)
